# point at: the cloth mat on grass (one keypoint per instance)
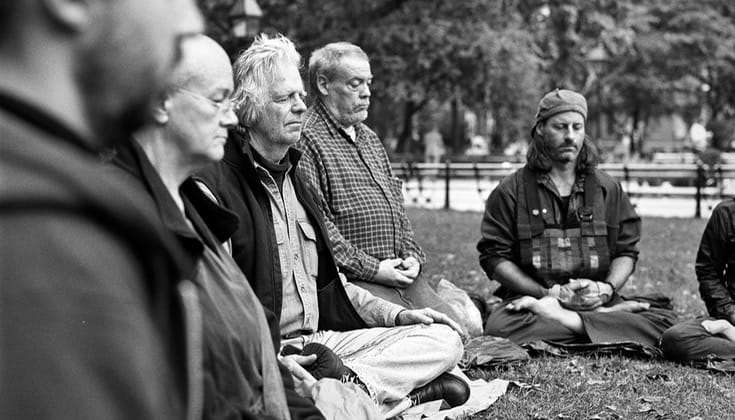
(482, 395)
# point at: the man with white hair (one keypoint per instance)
(91, 323)
(284, 250)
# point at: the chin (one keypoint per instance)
(216, 155)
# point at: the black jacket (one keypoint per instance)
(715, 264)
(235, 184)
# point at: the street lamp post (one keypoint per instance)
(245, 18)
(598, 60)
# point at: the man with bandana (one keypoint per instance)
(561, 236)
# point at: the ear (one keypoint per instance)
(537, 129)
(72, 15)
(321, 84)
(160, 111)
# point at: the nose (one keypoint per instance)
(365, 91)
(229, 118)
(299, 106)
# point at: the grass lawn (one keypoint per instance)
(605, 387)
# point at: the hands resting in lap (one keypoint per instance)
(582, 294)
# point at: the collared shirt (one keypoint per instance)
(299, 263)
(361, 199)
(499, 224)
(715, 264)
(297, 254)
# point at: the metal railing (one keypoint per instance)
(692, 179)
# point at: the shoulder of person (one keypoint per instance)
(725, 209)
(312, 122)
(512, 181)
(369, 131)
(607, 181)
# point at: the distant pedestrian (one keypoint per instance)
(433, 146)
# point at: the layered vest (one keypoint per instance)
(553, 253)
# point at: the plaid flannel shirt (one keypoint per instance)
(361, 200)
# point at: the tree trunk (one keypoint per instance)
(635, 115)
(454, 140)
(404, 139)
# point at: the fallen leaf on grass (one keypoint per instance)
(645, 408)
(658, 377)
(523, 385)
(649, 398)
(596, 382)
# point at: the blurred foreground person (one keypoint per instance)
(283, 246)
(712, 337)
(561, 238)
(91, 321)
(360, 199)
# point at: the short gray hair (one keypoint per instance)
(325, 61)
(254, 70)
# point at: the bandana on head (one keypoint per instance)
(558, 101)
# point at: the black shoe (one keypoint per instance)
(453, 390)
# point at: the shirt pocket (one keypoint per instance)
(310, 253)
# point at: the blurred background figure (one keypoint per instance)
(433, 146)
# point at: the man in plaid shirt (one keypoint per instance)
(362, 201)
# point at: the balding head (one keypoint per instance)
(197, 111)
(202, 60)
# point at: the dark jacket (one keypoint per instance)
(236, 185)
(228, 376)
(715, 264)
(90, 311)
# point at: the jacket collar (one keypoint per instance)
(241, 155)
(331, 124)
(222, 222)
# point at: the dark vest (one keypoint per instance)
(552, 253)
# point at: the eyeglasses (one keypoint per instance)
(223, 106)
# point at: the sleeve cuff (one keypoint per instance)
(370, 268)
(391, 312)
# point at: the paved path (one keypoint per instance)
(470, 195)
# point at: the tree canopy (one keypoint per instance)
(633, 59)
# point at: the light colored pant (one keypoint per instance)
(393, 361)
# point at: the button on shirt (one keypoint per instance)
(361, 199)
